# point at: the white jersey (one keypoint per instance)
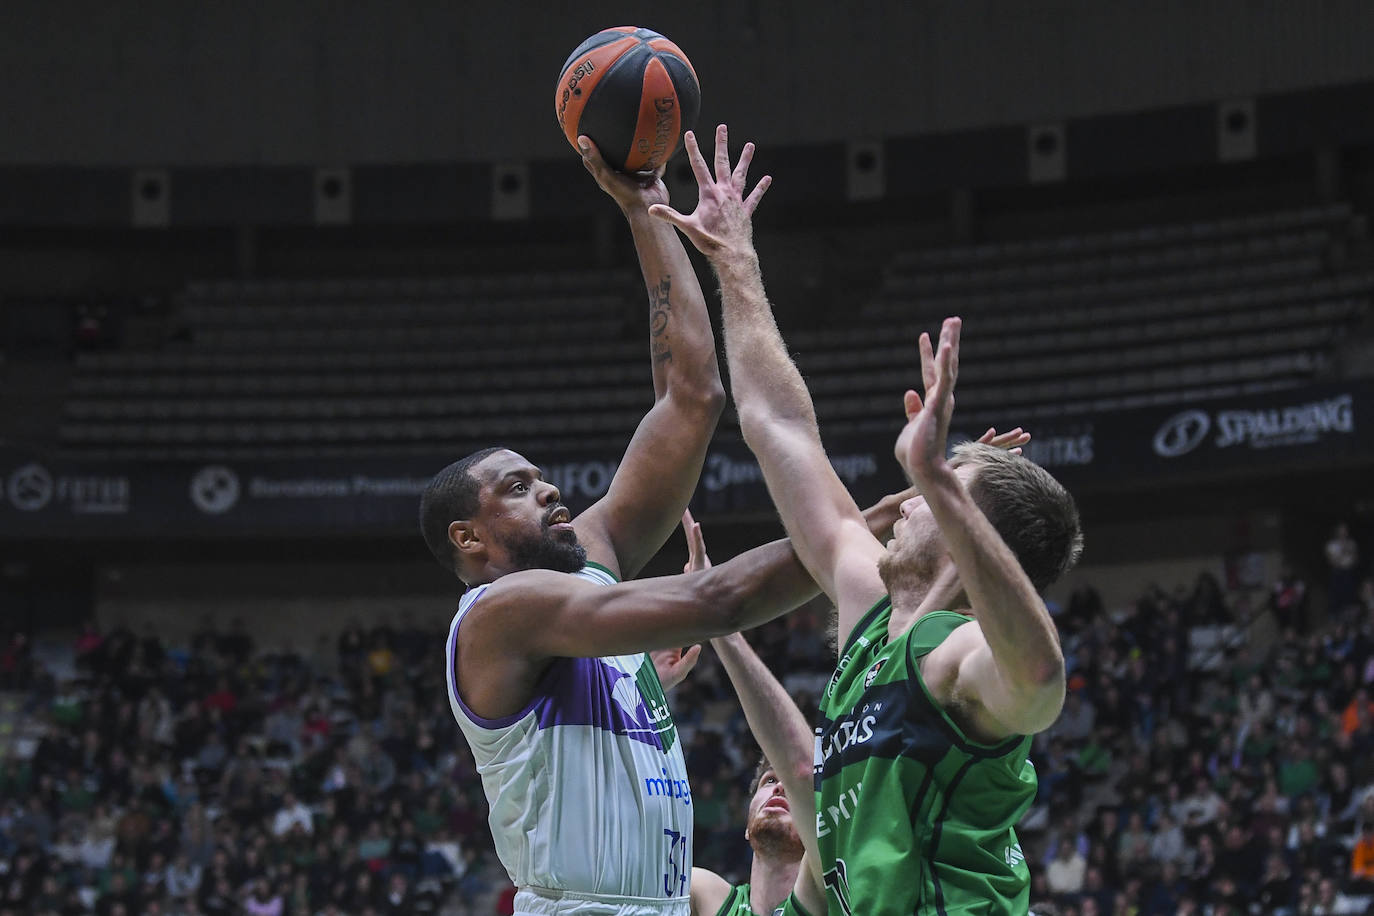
(590, 807)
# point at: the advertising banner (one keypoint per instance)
(1302, 428)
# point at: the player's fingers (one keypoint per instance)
(1012, 442)
(741, 174)
(722, 154)
(944, 370)
(696, 543)
(988, 437)
(703, 175)
(911, 403)
(673, 671)
(954, 326)
(927, 362)
(591, 154)
(668, 214)
(760, 189)
(699, 547)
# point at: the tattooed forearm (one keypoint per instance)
(660, 310)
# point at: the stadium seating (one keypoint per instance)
(1149, 315)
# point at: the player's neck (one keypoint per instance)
(770, 881)
(914, 599)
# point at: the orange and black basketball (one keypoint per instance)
(633, 92)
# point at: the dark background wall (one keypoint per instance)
(275, 82)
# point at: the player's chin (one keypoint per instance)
(775, 830)
(775, 820)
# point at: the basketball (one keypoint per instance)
(633, 92)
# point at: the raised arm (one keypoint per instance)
(659, 470)
(1016, 671)
(790, 746)
(779, 728)
(776, 414)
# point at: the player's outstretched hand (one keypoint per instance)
(674, 664)
(696, 544)
(921, 446)
(720, 225)
(632, 192)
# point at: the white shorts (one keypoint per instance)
(542, 901)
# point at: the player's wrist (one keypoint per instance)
(736, 261)
(636, 211)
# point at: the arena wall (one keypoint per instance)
(294, 81)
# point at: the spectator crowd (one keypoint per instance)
(1186, 775)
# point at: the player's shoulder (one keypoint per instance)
(946, 631)
(938, 643)
(532, 588)
(531, 580)
(710, 892)
(503, 602)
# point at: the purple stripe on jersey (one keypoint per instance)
(575, 691)
(585, 695)
(540, 691)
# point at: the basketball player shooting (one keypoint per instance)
(590, 806)
(949, 659)
(547, 673)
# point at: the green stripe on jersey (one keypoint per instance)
(598, 573)
(912, 815)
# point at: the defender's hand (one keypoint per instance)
(921, 446)
(673, 665)
(721, 224)
(1009, 441)
(696, 544)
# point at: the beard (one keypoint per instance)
(909, 566)
(546, 550)
(774, 836)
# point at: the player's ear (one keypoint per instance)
(465, 538)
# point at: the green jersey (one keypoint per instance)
(791, 907)
(737, 903)
(912, 816)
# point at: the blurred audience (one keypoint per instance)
(1187, 774)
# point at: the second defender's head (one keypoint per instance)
(492, 513)
(769, 827)
(1031, 511)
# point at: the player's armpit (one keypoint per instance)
(1000, 706)
(708, 892)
